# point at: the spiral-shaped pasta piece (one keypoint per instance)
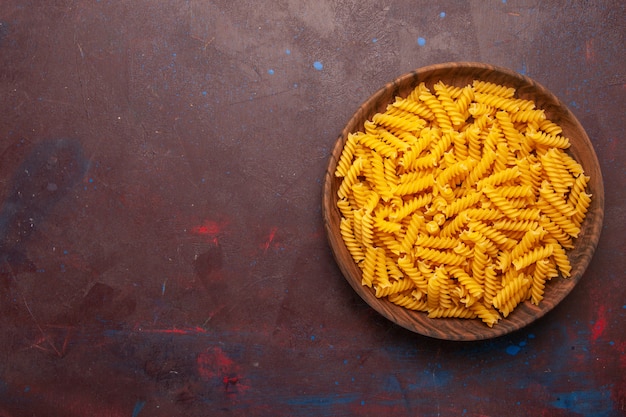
(555, 231)
(540, 276)
(557, 201)
(512, 135)
(482, 213)
(457, 172)
(386, 226)
(377, 177)
(499, 177)
(441, 146)
(504, 157)
(351, 178)
(511, 295)
(409, 123)
(498, 102)
(415, 107)
(352, 244)
(517, 191)
(471, 283)
(560, 258)
(533, 256)
(528, 116)
(440, 257)
(445, 286)
(368, 266)
(375, 143)
(500, 202)
(481, 109)
(395, 287)
(443, 94)
(546, 139)
(460, 312)
(558, 218)
(454, 226)
(410, 206)
(492, 88)
(492, 284)
(407, 265)
(487, 314)
(481, 168)
(559, 176)
(582, 206)
(466, 96)
(410, 236)
(515, 225)
(408, 302)
(415, 186)
(361, 193)
(381, 276)
(493, 234)
(393, 140)
(417, 91)
(345, 160)
(436, 242)
(441, 116)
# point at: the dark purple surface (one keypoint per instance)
(169, 257)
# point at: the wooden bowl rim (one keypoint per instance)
(451, 326)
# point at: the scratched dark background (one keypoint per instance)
(161, 242)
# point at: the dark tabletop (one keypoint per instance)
(162, 244)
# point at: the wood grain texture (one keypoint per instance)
(461, 74)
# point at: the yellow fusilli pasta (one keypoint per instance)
(461, 201)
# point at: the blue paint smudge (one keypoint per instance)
(318, 65)
(421, 41)
(26, 388)
(270, 71)
(374, 40)
(312, 338)
(138, 407)
(204, 93)
(288, 51)
(523, 70)
(442, 15)
(513, 350)
(594, 403)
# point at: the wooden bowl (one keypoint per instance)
(461, 74)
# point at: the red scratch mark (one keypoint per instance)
(210, 229)
(600, 324)
(590, 53)
(270, 240)
(46, 339)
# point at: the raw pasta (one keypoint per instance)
(461, 201)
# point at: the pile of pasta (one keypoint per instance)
(460, 201)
